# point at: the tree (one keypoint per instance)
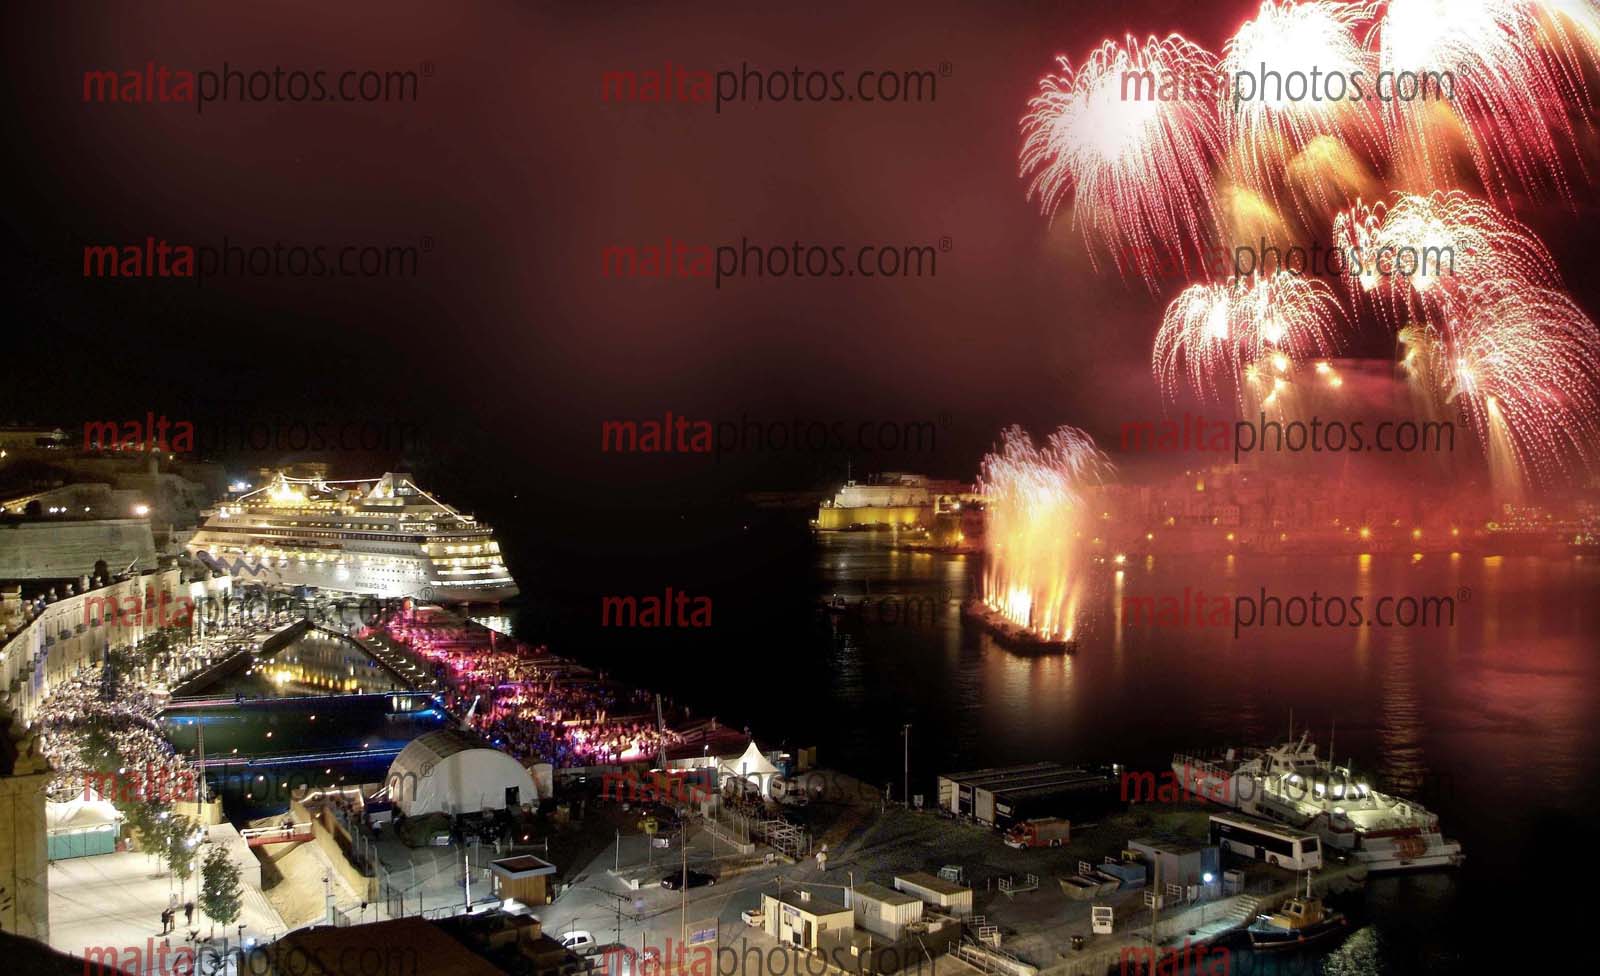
(220, 891)
(174, 842)
(143, 819)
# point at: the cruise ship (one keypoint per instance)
(385, 537)
(1290, 785)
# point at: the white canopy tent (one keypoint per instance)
(80, 813)
(82, 826)
(751, 771)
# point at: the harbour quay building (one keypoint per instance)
(1002, 797)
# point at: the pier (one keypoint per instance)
(1202, 929)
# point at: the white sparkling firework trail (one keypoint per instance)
(1266, 125)
(1570, 30)
(1136, 167)
(1522, 360)
(1509, 72)
(1212, 334)
(1416, 254)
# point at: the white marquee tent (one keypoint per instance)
(81, 826)
(451, 772)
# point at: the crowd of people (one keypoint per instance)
(533, 704)
(101, 721)
(526, 700)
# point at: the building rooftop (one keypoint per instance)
(522, 866)
(883, 893)
(813, 905)
(401, 946)
(1067, 779)
(985, 777)
(932, 882)
(1161, 846)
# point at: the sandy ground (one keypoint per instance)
(299, 894)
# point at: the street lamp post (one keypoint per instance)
(683, 887)
(907, 785)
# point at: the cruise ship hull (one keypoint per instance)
(388, 539)
(332, 579)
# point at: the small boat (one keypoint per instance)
(838, 605)
(1301, 922)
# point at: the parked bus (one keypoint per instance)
(1269, 842)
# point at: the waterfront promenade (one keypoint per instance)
(115, 901)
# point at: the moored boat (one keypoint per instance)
(1290, 785)
(1301, 922)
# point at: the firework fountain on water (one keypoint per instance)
(1038, 515)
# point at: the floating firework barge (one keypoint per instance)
(1012, 634)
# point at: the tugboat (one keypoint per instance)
(1301, 922)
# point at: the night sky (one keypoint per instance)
(511, 174)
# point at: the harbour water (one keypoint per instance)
(320, 689)
(1482, 711)
(1488, 719)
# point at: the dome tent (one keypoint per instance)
(449, 771)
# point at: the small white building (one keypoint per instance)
(949, 898)
(799, 918)
(883, 911)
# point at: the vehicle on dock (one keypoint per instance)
(695, 879)
(1261, 840)
(1043, 832)
(1301, 922)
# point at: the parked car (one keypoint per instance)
(696, 879)
(580, 942)
(753, 917)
